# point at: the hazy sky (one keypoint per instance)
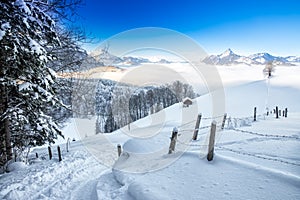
(244, 26)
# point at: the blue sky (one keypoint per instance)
(244, 26)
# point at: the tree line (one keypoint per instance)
(119, 105)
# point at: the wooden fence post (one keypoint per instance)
(285, 113)
(276, 110)
(68, 144)
(119, 150)
(224, 120)
(211, 145)
(36, 155)
(173, 140)
(50, 152)
(59, 154)
(254, 114)
(197, 127)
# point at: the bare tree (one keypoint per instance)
(269, 69)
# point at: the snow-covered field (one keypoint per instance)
(253, 160)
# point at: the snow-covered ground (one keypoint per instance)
(253, 160)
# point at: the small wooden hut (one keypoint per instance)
(186, 102)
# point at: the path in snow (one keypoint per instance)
(75, 177)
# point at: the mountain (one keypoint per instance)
(104, 58)
(163, 61)
(264, 58)
(134, 60)
(293, 59)
(230, 58)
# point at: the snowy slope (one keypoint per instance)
(253, 160)
(245, 167)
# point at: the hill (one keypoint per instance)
(252, 160)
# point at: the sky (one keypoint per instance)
(244, 26)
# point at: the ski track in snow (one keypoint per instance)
(73, 178)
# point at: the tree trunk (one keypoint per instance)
(5, 145)
(8, 141)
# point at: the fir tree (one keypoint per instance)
(27, 38)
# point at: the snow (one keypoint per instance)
(25, 86)
(23, 6)
(50, 179)
(3, 29)
(2, 33)
(252, 160)
(26, 22)
(228, 52)
(16, 166)
(37, 48)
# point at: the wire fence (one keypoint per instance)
(258, 156)
(194, 129)
(231, 124)
(267, 135)
(186, 131)
(50, 152)
(212, 118)
(185, 124)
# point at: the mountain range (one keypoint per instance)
(102, 57)
(230, 58)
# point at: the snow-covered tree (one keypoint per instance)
(269, 69)
(28, 41)
(182, 90)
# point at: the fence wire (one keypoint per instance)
(211, 118)
(245, 120)
(188, 123)
(194, 129)
(258, 156)
(190, 143)
(267, 135)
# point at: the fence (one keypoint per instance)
(226, 123)
(51, 152)
(232, 124)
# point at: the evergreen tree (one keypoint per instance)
(28, 41)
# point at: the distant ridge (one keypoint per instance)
(102, 57)
(228, 57)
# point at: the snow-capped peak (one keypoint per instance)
(226, 53)
(228, 57)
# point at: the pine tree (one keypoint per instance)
(27, 38)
